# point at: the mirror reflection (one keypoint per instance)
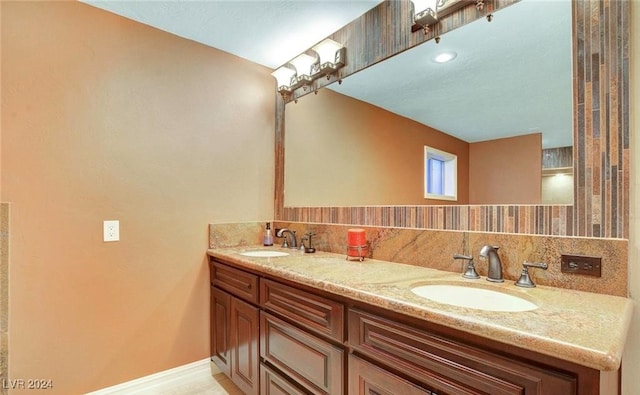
(502, 107)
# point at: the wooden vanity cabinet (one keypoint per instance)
(313, 342)
(235, 326)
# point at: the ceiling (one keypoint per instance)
(268, 32)
(521, 79)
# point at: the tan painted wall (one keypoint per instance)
(348, 152)
(104, 118)
(631, 358)
(506, 171)
(1, 74)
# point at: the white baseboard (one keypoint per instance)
(161, 380)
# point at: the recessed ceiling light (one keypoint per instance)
(445, 57)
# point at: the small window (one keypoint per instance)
(440, 174)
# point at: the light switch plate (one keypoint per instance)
(111, 231)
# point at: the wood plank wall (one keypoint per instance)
(601, 128)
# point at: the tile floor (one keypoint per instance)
(200, 384)
(199, 378)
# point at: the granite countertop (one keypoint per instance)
(585, 328)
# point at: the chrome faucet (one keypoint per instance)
(494, 273)
(282, 233)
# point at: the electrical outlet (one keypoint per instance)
(111, 231)
(580, 264)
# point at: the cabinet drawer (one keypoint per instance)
(310, 361)
(237, 282)
(316, 313)
(368, 379)
(271, 383)
(447, 366)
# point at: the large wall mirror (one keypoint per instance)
(330, 136)
(503, 100)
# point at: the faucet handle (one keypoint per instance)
(540, 265)
(460, 256)
(525, 280)
(470, 272)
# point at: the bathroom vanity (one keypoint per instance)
(320, 324)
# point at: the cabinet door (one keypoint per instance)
(368, 379)
(244, 338)
(220, 320)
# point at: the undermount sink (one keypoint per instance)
(264, 253)
(473, 298)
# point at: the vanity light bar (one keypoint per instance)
(304, 68)
(428, 12)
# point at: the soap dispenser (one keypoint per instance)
(267, 240)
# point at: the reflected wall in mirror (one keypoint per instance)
(557, 175)
(504, 98)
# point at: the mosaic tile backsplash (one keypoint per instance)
(435, 249)
(554, 220)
